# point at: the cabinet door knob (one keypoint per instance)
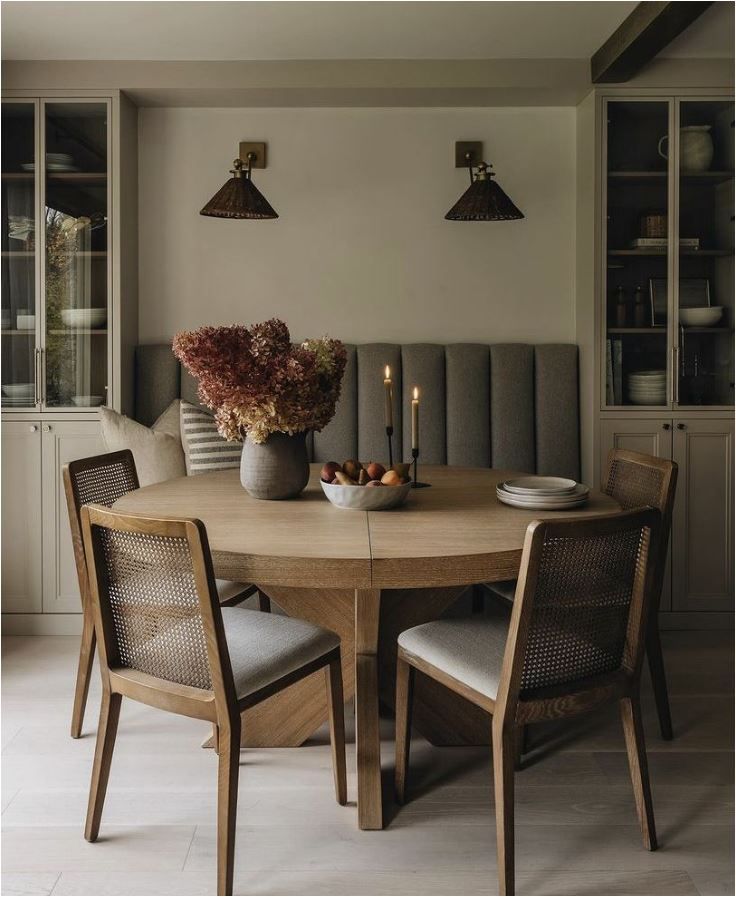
(665, 426)
(46, 428)
(682, 427)
(33, 428)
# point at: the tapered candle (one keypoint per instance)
(389, 411)
(415, 419)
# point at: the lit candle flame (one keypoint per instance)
(388, 372)
(416, 392)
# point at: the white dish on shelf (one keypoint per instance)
(540, 486)
(84, 317)
(22, 402)
(545, 502)
(25, 322)
(88, 401)
(366, 498)
(708, 316)
(19, 390)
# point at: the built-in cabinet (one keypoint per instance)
(68, 322)
(664, 278)
(699, 573)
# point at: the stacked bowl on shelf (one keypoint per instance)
(647, 387)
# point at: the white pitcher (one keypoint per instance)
(696, 148)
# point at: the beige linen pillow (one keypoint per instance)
(157, 450)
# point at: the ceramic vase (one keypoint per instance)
(277, 468)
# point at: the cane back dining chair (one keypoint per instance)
(165, 640)
(636, 480)
(572, 641)
(102, 480)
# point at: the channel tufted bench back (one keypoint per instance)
(509, 405)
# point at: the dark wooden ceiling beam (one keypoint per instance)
(638, 39)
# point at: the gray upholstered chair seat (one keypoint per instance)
(470, 650)
(265, 647)
(227, 589)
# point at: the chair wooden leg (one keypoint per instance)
(106, 731)
(636, 751)
(336, 713)
(84, 672)
(404, 700)
(659, 680)
(228, 760)
(504, 759)
(264, 603)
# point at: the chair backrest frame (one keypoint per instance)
(512, 706)
(663, 501)
(71, 474)
(144, 687)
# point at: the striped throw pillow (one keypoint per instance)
(204, 448)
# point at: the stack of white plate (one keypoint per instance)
(542, 493)
(54, 162)
(647, 387)
(88, 318)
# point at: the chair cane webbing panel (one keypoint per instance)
(154, 606)
(581, 607)
(634, 485)
(105, 484)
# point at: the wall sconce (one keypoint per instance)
(484, 200)
(239, 197)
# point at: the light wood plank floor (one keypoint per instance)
(576, 827)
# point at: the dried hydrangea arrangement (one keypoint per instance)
(257, 382)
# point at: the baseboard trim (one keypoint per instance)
(696, 620)
(42, 624)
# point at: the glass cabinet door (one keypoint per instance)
(75, 137)
(705, 279)
(20, 384)
(637, 200)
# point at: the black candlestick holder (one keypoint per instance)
(389, 435)
(415, 483)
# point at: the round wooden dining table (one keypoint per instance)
(367, 576)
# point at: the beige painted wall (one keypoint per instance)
(361, 249)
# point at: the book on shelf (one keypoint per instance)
(609, 373)
(661, 243)
(618, 380)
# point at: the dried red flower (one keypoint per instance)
(258, 382)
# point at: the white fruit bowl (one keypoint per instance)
(88, 401)
(84, 317)
(366, 498)
(708, 316)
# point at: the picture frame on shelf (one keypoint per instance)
(694, 292)
(658, 301)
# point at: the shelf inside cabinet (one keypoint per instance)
(704, 253)
(18, 332)
(18, 253)
(639, 330)
(77, 331)
(714, 177)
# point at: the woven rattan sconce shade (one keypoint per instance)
(239, 198)
(484, 200)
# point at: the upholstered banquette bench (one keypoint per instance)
(512, 406)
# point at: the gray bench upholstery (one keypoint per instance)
(511, 405)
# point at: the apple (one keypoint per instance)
(391, 478)
(329, 470)
(352, 469)
(375, 470)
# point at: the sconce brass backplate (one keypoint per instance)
(259, 149)
(462, 148)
